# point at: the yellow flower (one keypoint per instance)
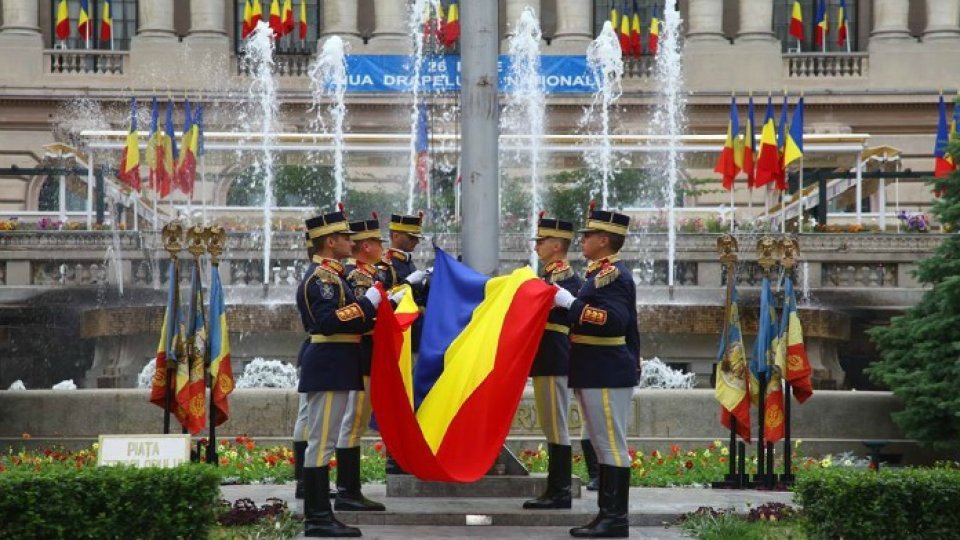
(718, 444)
(96, 446)
(724, 451)
(797, 443)
(826, 462)
(706, 453)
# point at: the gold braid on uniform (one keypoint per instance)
(348, 313)
(606, 276)
(559, 271)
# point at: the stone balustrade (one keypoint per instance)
(82, 62)
(818, 65)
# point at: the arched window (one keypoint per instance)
(291, 43)
(782, 10)
(124, 17)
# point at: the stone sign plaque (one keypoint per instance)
(144, 450)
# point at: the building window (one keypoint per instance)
(601, 14)
(782, 10)
(291, 43)
(123, 15)
(48, 200)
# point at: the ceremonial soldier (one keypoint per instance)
(604, 351)
(361, 274)
(300, 428)
(398, 268)
(551, 365)
(336, 319)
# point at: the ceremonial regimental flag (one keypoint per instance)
(768, 160)
(479, 339)
(63, 21)
(187, 167)
(287, 17)
(256, 14)
(303, 19)
(635, 31)
(792, 353)
(221, 371)
(764, 351)
(276, 23)
(748, 149)
(191, 387)
(247, 20)
(451, 30)
(823, 26)
(129, 171)
(106, 22)
(796, 21)
(154, 145)
(793, 148)
(422, 148)
(733, 378)
(944, 160)
(84, 24)
(842, 24)
(726, 164)
(653, 40)
(167, 348)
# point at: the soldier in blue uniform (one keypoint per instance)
(604, 351)
(552, 364)
(336, 319)
(398, 268)
(300, 428)
(361, 275)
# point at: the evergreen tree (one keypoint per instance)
(920, 350)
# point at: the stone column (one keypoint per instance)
(156, 20)
(574, 28)
(20, 17)
(890, 21)
(391, 33)
(340, 19)
(207, 20)
(943, 20)
(515, 8)
(756, 20)
(705, 21)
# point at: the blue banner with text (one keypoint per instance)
(441, 73)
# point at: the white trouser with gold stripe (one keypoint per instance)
(357, 418)
(324, 415)
(300, 428)
(552, 397)
(605, 413)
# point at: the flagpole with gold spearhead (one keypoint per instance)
(789, 248)
(215, 237)
(727, 248)
(766, 258)
(172, 236)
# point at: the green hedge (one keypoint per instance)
(897, 504)
(109, 502)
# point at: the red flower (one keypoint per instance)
(688, 464)
(378, 446)
(655, 454)
(271, 460)
(240, 439)
(660, 462)
(333, 463)
(204, 441)
(2, 468)
(675, 449)
(632, 453)
(249, 445)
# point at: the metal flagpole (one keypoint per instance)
(90, 191)
(203, 186)
(859, 187)
(800, 214)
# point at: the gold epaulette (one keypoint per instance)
(397, 254)
(359, 277)
(326, 275)
(561, 273)
(606, 276)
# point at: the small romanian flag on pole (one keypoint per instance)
(653, 40)
(63, 21)
(288, 17)
(793, 147)
(820, 32)
(768, 159)
(303, 20)
(451, 30)
(749, 147)
(944, 165)
(84, 24)
(796, 21)
(247, 20)
(276, 23)
(129, 171)
(256, 14)
(635, 29)
(727, 163)
(106, 22)
(842, 24)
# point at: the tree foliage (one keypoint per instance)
(920, 350)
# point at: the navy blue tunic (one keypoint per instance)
(553, 356)
(605, 308)
(328, 307)
(360, 277)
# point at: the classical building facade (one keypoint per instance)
(883, 83)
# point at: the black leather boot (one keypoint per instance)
(299, 450)
(349, 496)
(557, 494)
(613, 499)
(593, 466)
(318, 517)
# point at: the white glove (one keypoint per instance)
(563, 298)
(396, 297)
(373, 295)
(416, 277)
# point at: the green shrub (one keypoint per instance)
(109, 502)
(894, 503)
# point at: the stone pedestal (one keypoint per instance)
(574, 31)
(391, 33)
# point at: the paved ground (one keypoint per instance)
(651, 510)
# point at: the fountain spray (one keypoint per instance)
(328, 82)
(258, 54)
(525, 108)
(418, 16)
(605, 60)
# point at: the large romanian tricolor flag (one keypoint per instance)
(733, 376)
(129, 171)
(944, 165)
(792, 353)
(727, 163)
(480, 336)
(221, 370)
